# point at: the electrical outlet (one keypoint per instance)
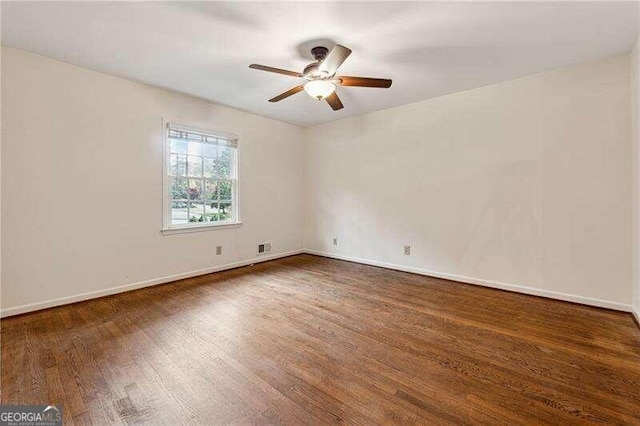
(335, 241)
(267, 247)
(218, 250)
(407, 250)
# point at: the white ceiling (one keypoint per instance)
(428, 49)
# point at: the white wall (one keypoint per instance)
(635, 128)
(525, 183)
(82, 183)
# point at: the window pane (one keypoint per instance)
(211, 190)
(225, 190)
(195, 166)
(178, 212)
(178, 188)
(196, 212)
(195, 189)
(223, 162)
(178, 146)
(201, 149)
(211, 211)
(226, 210)
(208, 150)
(177, 165)
(209, 167)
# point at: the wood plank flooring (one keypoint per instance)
(306, 339)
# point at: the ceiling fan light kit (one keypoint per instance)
(321, 75)
(319, 89)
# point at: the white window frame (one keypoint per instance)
(169, 228)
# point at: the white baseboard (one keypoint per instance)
(486, 283)
(468, 280)
(16, 310)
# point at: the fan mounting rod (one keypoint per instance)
(319, 53)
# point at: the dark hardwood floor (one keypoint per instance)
(311, 340)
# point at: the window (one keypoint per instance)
(201, 184)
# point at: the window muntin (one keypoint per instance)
(201, 178)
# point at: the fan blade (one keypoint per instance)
(334, 101)
(364, 82)
(334, 59)
(286, 94)
(275, 70)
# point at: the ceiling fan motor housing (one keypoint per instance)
(312, 70)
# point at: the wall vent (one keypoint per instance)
(264, 248)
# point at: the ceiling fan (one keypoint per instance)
(321, 76)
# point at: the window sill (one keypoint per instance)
(201, 228)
